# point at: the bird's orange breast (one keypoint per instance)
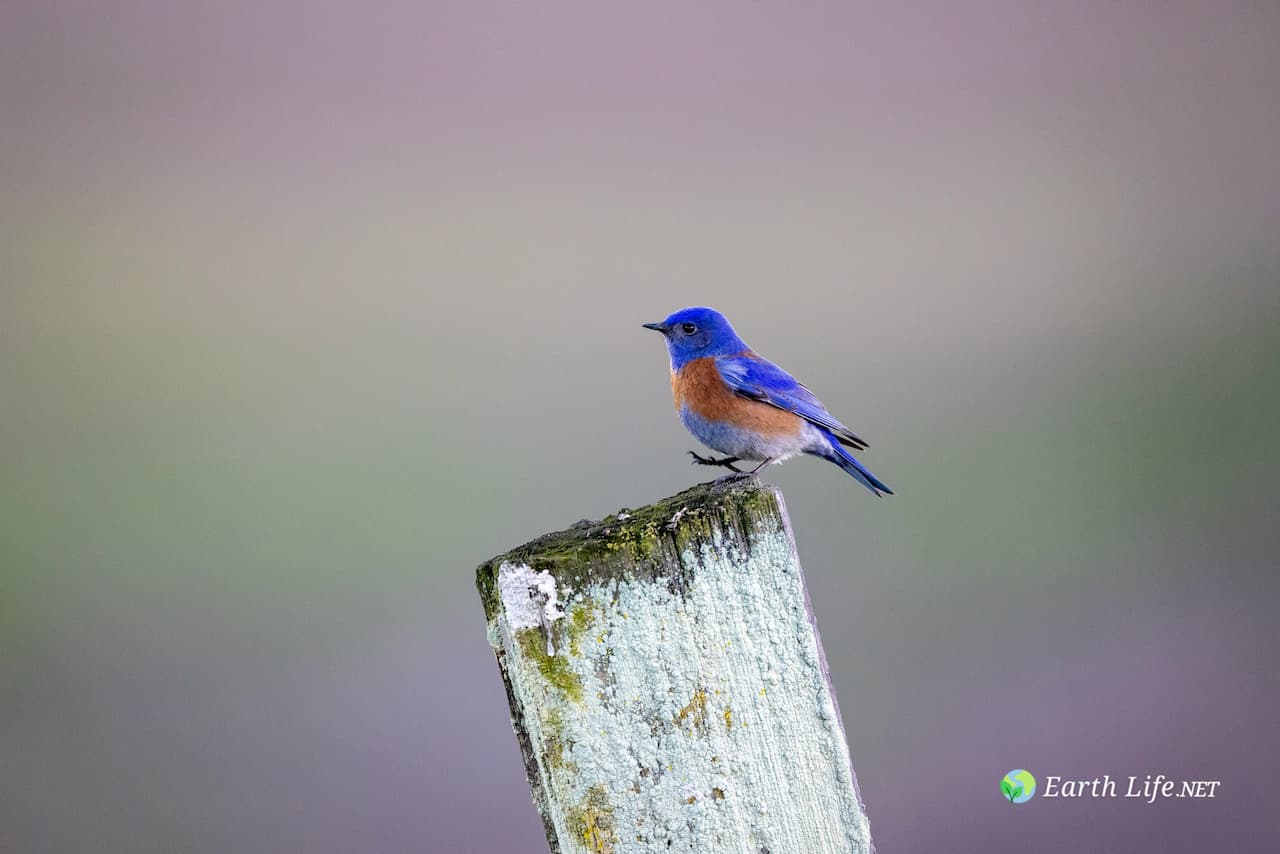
(699, 386)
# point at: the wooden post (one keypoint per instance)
(667, 683)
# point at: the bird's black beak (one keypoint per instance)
(657, 327)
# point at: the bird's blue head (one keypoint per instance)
(695, 333)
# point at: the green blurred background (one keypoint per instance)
(307, 309)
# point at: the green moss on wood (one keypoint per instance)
(581, 616)
(554, 668)
(646, 542)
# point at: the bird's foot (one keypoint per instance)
(739, 474)
(727, 462)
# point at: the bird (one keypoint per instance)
(737, 402)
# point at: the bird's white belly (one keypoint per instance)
(749, 444)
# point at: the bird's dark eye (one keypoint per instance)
(688, 328)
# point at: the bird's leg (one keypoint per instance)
(727, 462)
(766, 462)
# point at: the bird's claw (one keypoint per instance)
(727, 462)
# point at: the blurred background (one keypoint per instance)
(306, 310)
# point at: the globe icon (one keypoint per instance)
(1018, 786)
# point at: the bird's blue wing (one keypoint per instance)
(759, 379)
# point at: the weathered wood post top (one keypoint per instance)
(667, 683)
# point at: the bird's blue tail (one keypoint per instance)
(860, 473)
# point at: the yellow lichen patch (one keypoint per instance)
(694, 712)
(592, 821)
(717, 793)
(728, 718)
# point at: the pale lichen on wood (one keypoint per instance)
(667, 683)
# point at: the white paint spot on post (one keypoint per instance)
(529, 600)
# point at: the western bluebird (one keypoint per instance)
(743, 405)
